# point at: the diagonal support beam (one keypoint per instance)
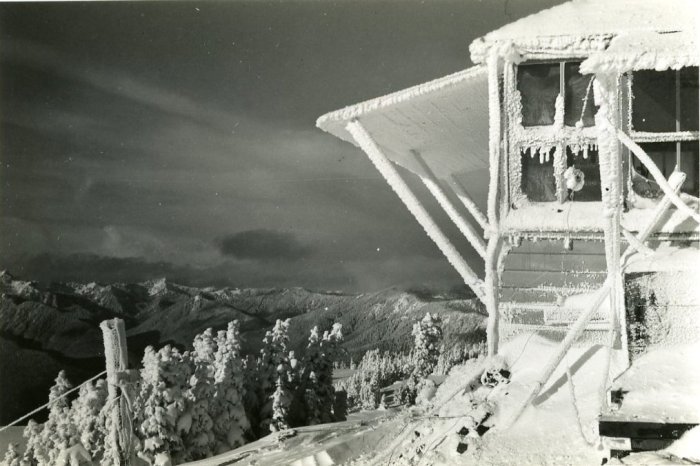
(469, 203)
(392, 176)
(657, 175)
(433, 184)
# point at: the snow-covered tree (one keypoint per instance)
(85, 414)
(36, 451)
(162, 416)
(58, 433)
(321, 353)
(271, 365)
(230, 420)
(427, 335)
(200, 440)
(281, 401)
(12, 457)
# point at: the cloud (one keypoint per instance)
(264, 245)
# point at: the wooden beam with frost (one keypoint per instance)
(469, 203)
(491, 278)
(397, 183)
(657, 175)
(433, 184)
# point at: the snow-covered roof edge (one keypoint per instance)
(582, 26)
(645, 51)
(357, 110)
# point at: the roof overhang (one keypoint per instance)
(582, 27)
(445, 121)
(645, 51)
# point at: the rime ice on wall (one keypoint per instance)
(662, 310)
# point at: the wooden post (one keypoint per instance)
(116, 359)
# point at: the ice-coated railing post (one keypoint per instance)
(495, 241)
(393, 178)
(606, 95)
(433, 184)
(116, 360)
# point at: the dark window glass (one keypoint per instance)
(538, 178)
(654, 104)
(663, 154)
(690, 166)
(689, 98)
(576, 88)
(591, 171)
(539, 88)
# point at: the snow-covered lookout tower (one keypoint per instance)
(585, 117)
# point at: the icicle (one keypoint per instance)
(541, 150)
(585, 151)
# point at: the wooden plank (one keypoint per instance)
(557, 246)
(608, 427)
(539, 294)
(532, 279)
(556, 262)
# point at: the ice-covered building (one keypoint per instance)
(584, 117)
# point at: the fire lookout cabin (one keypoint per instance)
(584, 119)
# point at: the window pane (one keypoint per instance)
(538, 178)
(576, 87)
(691, 167)
(654, 104)
(591, 170)
(689, 99)
(539, 88)
(663, 154)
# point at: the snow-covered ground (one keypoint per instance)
(560, 427)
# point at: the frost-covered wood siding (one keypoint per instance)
(538, 275)
(541, 271)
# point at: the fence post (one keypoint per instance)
(116, 359)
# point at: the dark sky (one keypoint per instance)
(178, 139)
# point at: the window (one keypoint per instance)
(587, 162)
(538, 180)
(665, 124)
(556, 131)
(540, 84)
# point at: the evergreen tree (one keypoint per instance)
(36, 451)
(85, 414)
(321, 353)
(230, 421)
(200, 440)
(58, 433)
(272, 362)
(281, 401)
(427, 335)
(12, 457)
(161, 405)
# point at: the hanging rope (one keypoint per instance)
(51, 402)
(572, 391)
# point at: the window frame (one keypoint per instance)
(678, 136)
(541, 137)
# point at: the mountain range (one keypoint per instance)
(44, 329)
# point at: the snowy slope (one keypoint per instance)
(561, 427)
